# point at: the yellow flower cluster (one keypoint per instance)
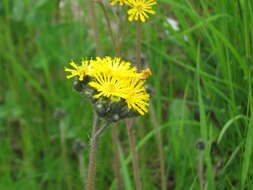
(139, 9)
(114, 78)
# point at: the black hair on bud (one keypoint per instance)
(77, 85)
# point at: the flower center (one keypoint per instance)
(110, 87)
(139, 7)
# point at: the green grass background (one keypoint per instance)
(202, 91)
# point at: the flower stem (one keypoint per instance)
(130, 122)
(109, 26)
(93, 152)
(115, 138)
(94, 25)
(201, 171)
(92, 156)
(138, 44)
(135, 159)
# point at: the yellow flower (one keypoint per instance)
(79, 71)
(113, 67)
(121, 2)
(136, 96)
(115, 79)
(139, 9)
(107, 86)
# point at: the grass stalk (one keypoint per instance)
(159, 146)
(116, 157)
(82, 169)
(135, 160)
(93, 152)
(64, 155)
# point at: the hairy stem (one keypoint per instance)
(93, 152)
(92, 156)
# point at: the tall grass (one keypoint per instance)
(202, 83)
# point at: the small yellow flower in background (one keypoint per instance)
(79, 71)
(121, 2)
(139, 9)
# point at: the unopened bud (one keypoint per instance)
(115, 117)
(100, 109)
(200, 145)
(59, 113)
(78, 146)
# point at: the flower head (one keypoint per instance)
(139, 9)
(79, 71)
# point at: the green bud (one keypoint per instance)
(100, 109)
(115, 117)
